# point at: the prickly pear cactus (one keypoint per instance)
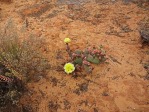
(78, 61)
(93, 59)
(90, 55)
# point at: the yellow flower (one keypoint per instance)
(67, 40)
(69, 68)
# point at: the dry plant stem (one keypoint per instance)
(68, 50)
(13, 70)
(5, 79)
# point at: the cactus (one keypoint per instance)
(83, 59)
(92, 59)
(78, 52)
(86, 52)
(78, 61)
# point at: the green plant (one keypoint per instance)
(83, 59)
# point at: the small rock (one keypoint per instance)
(144, 35)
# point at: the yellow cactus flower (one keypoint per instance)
(69, 68)
(67, 40)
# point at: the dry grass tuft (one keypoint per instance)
(24, 59)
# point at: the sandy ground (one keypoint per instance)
(119, 86)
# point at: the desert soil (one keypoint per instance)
(120, 85)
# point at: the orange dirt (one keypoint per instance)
(119, 86)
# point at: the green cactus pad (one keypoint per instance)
(86, 52)
(78, 52)
(92, 59)
(78, 61)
